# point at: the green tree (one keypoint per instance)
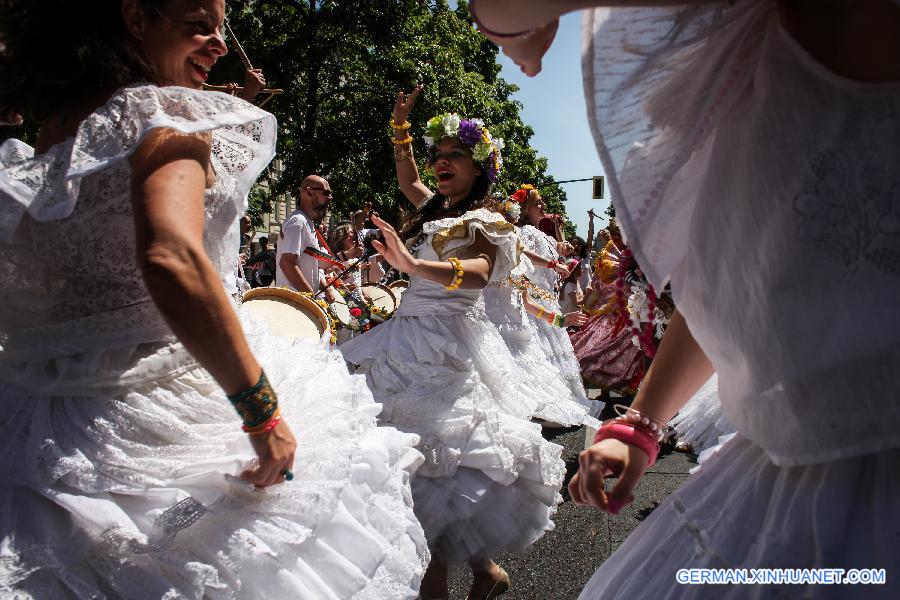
(341, 63)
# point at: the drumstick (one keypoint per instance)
(238, 47)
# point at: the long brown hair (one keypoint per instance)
(90, 49)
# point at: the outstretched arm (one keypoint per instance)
(477, 260)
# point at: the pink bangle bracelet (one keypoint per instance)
(631, 435)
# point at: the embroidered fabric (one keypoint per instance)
(119, 456)
(442, 371)
(786, 282)
(72, 285)
(686, 105)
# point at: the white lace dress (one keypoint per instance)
(118, 453)
(701, 422)
(554, 340)
(490, 481)
(555, 403)
(766, 189)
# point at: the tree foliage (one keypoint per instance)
(341, 63)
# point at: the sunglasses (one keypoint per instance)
(325, 192)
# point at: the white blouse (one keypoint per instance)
(767, 190)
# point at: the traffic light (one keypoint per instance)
(597, 188)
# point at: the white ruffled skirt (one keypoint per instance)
(743, 511)
(557, 347)
(127, 487)
(554, 401)
(490, 482)
(702, 422)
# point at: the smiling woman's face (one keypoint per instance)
(182, 39)
(454, 168)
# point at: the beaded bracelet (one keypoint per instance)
(402, 127)
(552, 264)
(264, 427)
(457, 274)
(540, 313)
(558, 320)
(629, 415)
(407, 140)
(257, 404)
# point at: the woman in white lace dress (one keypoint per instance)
(546, 254)
(124, 472)
(751, 149)
(510, 308)
(490, 482)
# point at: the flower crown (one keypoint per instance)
(471, 132)
(521, 194)
(508, 207)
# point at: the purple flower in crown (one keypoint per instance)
(469, 132)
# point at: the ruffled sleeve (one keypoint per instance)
(47, 186)
(451, 235)
(656, 82)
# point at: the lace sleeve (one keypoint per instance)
(450, 235)
(47, 186)
(656, 81)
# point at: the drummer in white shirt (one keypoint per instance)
(295, 269)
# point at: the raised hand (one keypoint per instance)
(275, 450)
(393, 250)
(254, 82)
(404, 103)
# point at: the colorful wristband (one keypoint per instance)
(631, 435)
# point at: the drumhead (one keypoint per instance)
(340, 311)
(381, 296)
(289, 314)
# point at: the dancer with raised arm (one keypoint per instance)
(689, 105)
(145, 450)
(546, 256)
(490, 482)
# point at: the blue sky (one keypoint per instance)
(554, 107)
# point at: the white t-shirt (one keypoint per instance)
(298, 234)
(566, 302)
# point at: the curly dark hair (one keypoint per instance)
(432, 209)
(56, 51)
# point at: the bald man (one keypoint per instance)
(295, 269)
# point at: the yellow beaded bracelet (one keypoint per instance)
(457, 275)
(402, 127)
(407, 140)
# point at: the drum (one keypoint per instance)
(289, 314)
(340, 312)
(382, 297)
(398, 287)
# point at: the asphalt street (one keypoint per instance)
(558, 565)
